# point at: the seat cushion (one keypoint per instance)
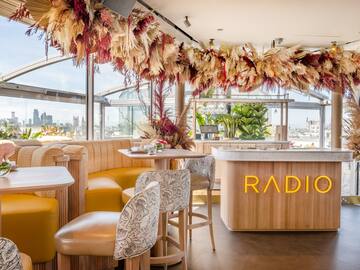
(103, 194)
(91, 234)
(127, 194)
(31, 222)
(199, 182)
(26, 261)
(125, 177)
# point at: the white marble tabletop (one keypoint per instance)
(305, 155)
(33, 179)
(165, 154)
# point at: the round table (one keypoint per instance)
(32, 179)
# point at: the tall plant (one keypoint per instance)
(252, 121)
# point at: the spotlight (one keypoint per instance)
(122, 7)
(211, 42)
(187, 22)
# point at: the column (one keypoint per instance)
(336, 119)
(90, 97)
(180, 99)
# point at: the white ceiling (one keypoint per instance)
(312, 23)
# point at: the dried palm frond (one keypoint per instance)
(352, 125)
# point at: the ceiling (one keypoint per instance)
(311, 23)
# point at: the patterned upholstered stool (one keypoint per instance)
(174, 196)
(127, 235)
(202, 172)
(11, 259)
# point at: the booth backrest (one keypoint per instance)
(104, 155)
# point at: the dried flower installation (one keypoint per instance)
(137, 47)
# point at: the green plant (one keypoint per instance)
(8, 131)
(27, 134)
(253, 123)
(230, 124)
(200, 119)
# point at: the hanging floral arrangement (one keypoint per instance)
(137, 47)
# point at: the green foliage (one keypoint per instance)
(230, 124)
(253, 123)
(205, 119)
(8, 132)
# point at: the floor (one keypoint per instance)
(278, 251)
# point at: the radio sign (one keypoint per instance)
(292, 184)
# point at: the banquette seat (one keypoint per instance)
(109, 173)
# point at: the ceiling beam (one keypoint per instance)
(117, 89)
(32, 92)
(34, 66)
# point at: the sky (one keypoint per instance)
(17, 49)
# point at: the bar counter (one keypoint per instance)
(281, 190)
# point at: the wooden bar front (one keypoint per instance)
(273, 210)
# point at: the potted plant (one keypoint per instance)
(252, 121)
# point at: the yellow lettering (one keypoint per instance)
(287, 180)
(253, 185)
(316, 184)
(307, 184)
(272, 180)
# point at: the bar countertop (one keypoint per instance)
(301, 155)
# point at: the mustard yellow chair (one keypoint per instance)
(109, 173)
(31, 220)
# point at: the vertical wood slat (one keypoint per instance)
(280, 211)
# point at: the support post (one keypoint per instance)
(90, 97)
(322, 126)
(336, 119)
(102, 121)
(180, 99)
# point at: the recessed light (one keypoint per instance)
(220, 29)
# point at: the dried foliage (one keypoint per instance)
(136, 47)
(352, 125)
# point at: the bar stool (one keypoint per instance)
(127, 235)
(202, 172)
(174, 197)
(11, 258)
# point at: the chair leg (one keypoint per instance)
(190, 214)
(209, 204)
(183, 237)
(145, 261)
(132, 263)
(63, 262)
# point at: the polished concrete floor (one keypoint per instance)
(278, 251)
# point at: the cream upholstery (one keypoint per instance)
(201, 169)
(90, 234)
(122, 235)
(174, 188)
(103, 155)
(11, 258)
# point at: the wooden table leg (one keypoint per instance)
(160, 164)
(62, 198)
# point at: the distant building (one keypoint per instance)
(36, 118)
(76, 122)
(13, 120)
(313, 126)
(46, 119)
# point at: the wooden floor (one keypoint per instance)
(278, 251)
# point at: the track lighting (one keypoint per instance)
(187, 22)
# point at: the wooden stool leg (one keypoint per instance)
(165, 219)
(132, 263)
(63, 261)
(183, 237)
(209, 204)
(190, 213)
(145, 261)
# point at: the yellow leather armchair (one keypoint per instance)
(31, 220)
